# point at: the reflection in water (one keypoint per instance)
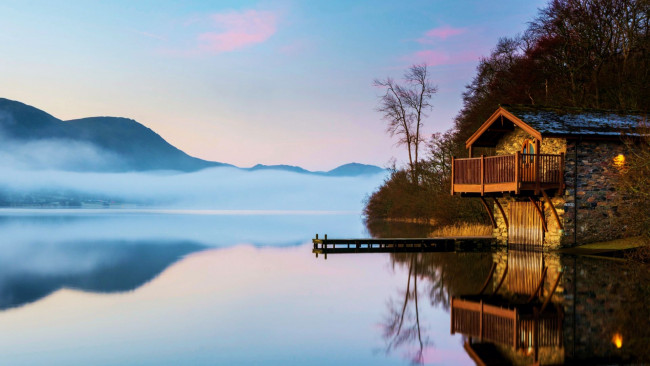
(553, 309)
(518, 307)
(588, 309)
(431, 279)
(395, 333)
(393, 229)
(34, 270)
(512, 317)
(149, 290)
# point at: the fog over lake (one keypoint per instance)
(214, 188)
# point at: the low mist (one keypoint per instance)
(49, 171)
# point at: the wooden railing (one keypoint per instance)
(483, 321)
(508, 173)
(505, 325)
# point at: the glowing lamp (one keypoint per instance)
(619, 160)
(617, 339)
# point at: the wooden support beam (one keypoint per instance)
(494, 223)
(471, 155)
(550, 203)
(503, 214)
(503, 277)
(539, 285)
(487, 281)
(540, 213)
(557, 281)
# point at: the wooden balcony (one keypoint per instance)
(516, 326)
(507, 173)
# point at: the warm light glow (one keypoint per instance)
(619, 160)
(617, 339)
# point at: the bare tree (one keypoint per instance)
(404, 107)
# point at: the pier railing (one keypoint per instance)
(507, 173)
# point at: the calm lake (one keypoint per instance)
(174, 287)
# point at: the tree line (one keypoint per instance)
(574, 53)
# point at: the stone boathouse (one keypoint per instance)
(546, 176)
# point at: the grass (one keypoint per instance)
(606, 246)
(618, 244)
(461, 229)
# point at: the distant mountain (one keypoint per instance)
(286, 168)
(346, 170)
(126, 144)
(355, 169)
(135, 146)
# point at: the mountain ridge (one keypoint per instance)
(135, 146)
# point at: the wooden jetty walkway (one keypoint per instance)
(395, 245)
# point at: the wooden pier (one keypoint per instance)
(394, 245)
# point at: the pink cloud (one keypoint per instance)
(238, 30)
(442, 32)
(437, 58)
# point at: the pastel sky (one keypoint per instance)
(246, 82)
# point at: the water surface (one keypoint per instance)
(161, 287)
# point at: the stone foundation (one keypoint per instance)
(594, 200)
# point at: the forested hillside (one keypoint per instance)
(574, 53)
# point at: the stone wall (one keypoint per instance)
(600, 299)
(511, 143)
(594, 200)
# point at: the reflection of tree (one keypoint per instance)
(393, 229)
(395, 333)
(438, 274)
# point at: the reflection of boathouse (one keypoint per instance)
(513, 316)
(548, 172)
(555, 309)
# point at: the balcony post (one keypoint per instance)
(482, 174)
(453, 158)
(517, 162)
(480, 324)
(537, 166)
(561, 169)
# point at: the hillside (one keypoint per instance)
(110, 144)
(136, 147)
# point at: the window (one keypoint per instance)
(528, 149)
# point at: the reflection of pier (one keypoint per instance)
(518, 319)
(395, 245)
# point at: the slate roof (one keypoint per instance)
(556, 121)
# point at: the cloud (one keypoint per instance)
(150, 35)
(237, 30)
(442, 32)
(438, 58)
